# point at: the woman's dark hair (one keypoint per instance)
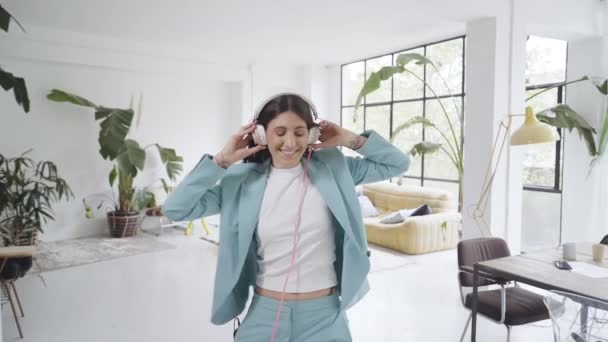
(272, 109)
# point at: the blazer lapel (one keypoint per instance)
(323, 179)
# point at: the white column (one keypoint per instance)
(495, 60)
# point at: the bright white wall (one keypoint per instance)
(187, 112)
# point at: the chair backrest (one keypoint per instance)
(473, 251)
(577, 318)
(390, 197)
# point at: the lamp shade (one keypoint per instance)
(533, 131)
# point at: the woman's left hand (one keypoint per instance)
(333, 135)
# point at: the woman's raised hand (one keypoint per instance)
(333, 135)
(236, 147)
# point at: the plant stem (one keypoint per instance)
(445, 113)
(584, 78)
(402, 127)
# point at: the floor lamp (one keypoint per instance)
(531, 131)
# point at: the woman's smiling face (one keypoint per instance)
(287, 136)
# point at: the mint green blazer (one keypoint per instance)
(236, 194)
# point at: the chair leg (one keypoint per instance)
(17, 297)
(466, 326)
(10, 299)
(508, 333)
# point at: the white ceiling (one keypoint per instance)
(246, 31)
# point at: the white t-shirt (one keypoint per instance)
(315, 253)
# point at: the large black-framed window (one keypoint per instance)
(405, 97)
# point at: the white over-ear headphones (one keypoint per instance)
(259, 135)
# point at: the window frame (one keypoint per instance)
(559, 144)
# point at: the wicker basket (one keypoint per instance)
(124, 225)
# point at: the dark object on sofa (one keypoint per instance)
(604, 240)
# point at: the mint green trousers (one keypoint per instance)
(315, 320)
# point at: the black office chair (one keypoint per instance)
(509, 305)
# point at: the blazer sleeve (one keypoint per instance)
(382, 160)
(198, 194)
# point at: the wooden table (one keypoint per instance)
(537, 269)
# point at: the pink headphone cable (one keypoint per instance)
(275, 326)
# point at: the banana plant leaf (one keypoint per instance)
(62, 96)
(5, 19)
(424, 147)
(601, 85)
(603, 140)
(131, 158)
(405, 58)
(417, 120)
(373, 82)
(563, 116)
(9, 81)
(173, 162)
(115, 126)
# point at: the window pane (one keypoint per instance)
(447, 186)
(384, 93)
(406, 138)
(347, 120)
(352, 82)
(540, 220)
(378, 119)
(447, 57)
(539, 159)
(406, 86)
(439, 164)
(545, 60)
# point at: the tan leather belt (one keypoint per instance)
(296, 296)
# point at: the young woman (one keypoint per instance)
(281, 196)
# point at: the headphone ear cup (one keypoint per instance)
(313, 135)
(259, 135)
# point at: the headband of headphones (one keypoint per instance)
(259, 134)
(313, 109)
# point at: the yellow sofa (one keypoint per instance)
(418, 234)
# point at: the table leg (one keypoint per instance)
(584, 320)
(474, 306)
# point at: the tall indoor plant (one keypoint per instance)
(128, 158)
(450, 143)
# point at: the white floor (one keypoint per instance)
(166, 296)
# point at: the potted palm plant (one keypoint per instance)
(28, 190)
(128, 158)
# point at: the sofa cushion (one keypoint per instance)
(367, 207)
(400, 215)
